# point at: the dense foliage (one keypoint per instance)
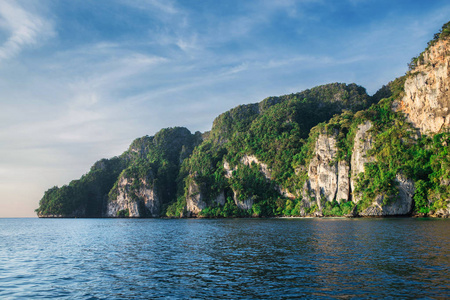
(280, 132)
(86, 196)
(155, 159)
(274, 131)
(256, 158)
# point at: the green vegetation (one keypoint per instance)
(281, 134)
(153, 160)
(83, 197)
(275, 131)
(337, 210)
(123, 213)
(443, 34)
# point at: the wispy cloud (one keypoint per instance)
(109, 76)
(21, 27)
(164, 6)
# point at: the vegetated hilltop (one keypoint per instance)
(332, 150)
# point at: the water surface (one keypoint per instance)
(224, 258)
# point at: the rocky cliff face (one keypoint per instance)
(157, 170)
(196, 202)
(362, 143)
(134, 202)
(443, 212)
(246, 160)
(427, 97)
(397, 206)
(328, 179)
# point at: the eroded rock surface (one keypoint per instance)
(140, 202)
(327, 178)
(402, 204)
(196, 201)
(426, 102)
(363, 143)
(249, 159)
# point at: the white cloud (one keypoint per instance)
(165, 6)
(22, 28)
(66, 108)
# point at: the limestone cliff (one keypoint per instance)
(329, 150)
(249, 159)
(427, 97)
(362, 143)
(133, 200)
(399, 205)
(328, 179)
(196, 201)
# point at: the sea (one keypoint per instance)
(326, 258)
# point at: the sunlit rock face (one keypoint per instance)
(426, 102)
(362, 144)
(402, 204)
(140, 202)
(328, 179)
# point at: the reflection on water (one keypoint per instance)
(232, 258)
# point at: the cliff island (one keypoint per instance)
(331, 150)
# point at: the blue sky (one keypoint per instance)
(80, 80)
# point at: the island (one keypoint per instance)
(331, 150)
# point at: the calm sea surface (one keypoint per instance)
(231, 258)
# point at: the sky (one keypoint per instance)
(81, 79)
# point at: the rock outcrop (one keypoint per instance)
(196, 201)
(327, 179)
(134, 202)
(362, 143)
(245, 204)
(343, 189)
(399, 205)
(442, 212)
(426, 102)
(249, 159)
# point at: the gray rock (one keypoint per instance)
(327, 178)
(196, 201)
(397, 206)
(363, 143)
(142, 202)
(426, 101)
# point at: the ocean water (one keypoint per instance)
(224, 258)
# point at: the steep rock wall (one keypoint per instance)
(426, 102)
(142, 202)
(327, 178)
(264, 168)
(400, 205)
(196, 201)
(362, 143)
(397, 206)
(246, 160)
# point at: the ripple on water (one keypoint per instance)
(232, 258)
